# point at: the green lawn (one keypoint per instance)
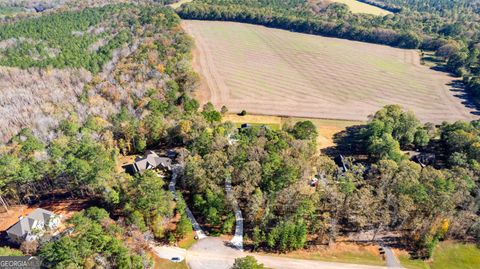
(188, 241)
(412, 264)
(6, 11)
(448, 255)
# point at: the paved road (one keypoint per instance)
(213, 253)
(177, 170)
(237, 239)
(390, 259)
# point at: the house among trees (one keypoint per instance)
(424, 159)
(151, 160)
(33, 226)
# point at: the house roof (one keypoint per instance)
(151, 160)
(22, 227)
(25, 225)
(41, 214)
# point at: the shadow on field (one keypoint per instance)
(458, 88)
(348, 142)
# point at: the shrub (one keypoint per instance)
(247, 262)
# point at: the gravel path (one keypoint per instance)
(176, 171)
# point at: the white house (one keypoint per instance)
(33, 226)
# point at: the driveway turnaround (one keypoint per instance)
(168, 252)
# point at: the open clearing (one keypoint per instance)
(326, 128)
(66, 208)
(359, 7)
(179, 3)
(275, 72)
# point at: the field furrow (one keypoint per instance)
(277, 72)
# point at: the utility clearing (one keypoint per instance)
(276, 72)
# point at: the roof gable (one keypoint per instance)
(41, 214)
(151, 160)
(22, 227)
(25, 225)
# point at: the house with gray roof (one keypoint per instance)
(33, 226)
(151, 160)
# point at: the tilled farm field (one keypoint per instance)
(276, 72)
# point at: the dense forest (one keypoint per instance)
(380, 189)
(80, 159)
(271, 171)
(62, 40)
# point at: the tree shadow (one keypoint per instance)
(440, 68)
(433, 59)
(347, 142)
(458, 88)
